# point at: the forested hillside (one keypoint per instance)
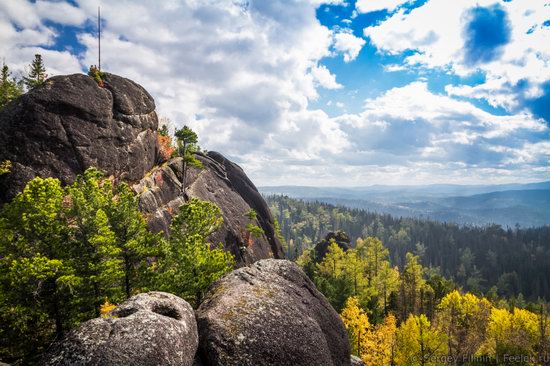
(513, 262)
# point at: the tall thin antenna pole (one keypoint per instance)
(99, 37)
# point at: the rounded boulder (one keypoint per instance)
(154, 328)
(270, 313)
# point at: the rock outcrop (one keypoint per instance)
(339, 237)
(149, 329)
(70, 124)
(270, 314)
(223, 183)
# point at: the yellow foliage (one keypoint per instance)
(377, 348)
(5, 167)
(357, 324)
(514, 332)
(106, 308)
(418, 343)
(464, 319)
(333, 263)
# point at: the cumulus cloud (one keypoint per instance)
(23, 33)
(416, 133)
(348, 44)
(244, 74)
(324, 77)
(462, 37)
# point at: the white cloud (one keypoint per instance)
(243, 75)
(366, 6)
(348, 44)
(23, 34)
(323, 76)
(435, 31)
(394, 68)
(60, 12)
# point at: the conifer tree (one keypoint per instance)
(189, 265)
(187, 140)
(331, 276)
(464, 319)
(137, 245)
(94, 240)
(378, 347)
(10, 88)
(37, 276)
(37, 73)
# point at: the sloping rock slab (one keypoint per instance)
(226, 185)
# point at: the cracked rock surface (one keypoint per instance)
(70, 124)
(154, 328)
(270, 314)
(223, 183)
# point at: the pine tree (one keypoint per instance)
(187, 140)
(37, 73)
(137, 245)
(10, 88)
(189, 265)
(37, 276)
(94, 241)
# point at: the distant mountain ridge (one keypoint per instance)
(507, 205)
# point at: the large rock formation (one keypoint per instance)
(270, 314)
(223, 183)
(70, 124)
(149, 329)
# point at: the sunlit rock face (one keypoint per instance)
(70, 124)
(270, 313)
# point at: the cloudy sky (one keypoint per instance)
(324, 92)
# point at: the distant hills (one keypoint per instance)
(507, 205)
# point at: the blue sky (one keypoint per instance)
(324, 92)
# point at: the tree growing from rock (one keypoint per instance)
(36, 75)
(164, 141)
(189, 265)
(186, 140)
(96, 74)
(10, 87)
(5, 167)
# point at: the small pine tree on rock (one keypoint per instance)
(37, 73)
(10, 88)
(187, 140)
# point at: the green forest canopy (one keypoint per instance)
(512, 261)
